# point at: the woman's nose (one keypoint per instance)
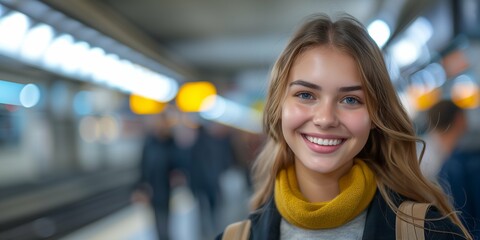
(325, 115)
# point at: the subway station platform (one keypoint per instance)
(189, 219)
(132, 223)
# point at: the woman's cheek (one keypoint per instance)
(359, 123)
(293, 116)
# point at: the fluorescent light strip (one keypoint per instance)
(42, 46)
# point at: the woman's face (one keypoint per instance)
(324, 116)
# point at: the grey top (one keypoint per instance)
(352, 230)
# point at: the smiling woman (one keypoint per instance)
(340, 155)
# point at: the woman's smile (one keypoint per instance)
(324, 141)
(323, 145)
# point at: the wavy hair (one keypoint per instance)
(390, 150)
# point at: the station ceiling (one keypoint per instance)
(231, 43)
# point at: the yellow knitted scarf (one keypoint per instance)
(357, 189)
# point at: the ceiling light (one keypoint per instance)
(379, 31)
(13, 28)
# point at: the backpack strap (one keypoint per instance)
(411, 224)
(237, 230)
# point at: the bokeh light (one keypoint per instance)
(191, 96)
(465, 92)
(29, 95)
(142, 105)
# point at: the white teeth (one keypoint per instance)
(325, 142)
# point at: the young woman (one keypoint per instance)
(341, 151)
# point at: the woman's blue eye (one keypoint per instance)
(351, 100)
(305, 95)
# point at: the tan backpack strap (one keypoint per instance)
(410, 225)
(237, 231)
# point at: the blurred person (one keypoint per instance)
(460, 177)
(156, 165)
(233, 179)
(341, 150)
(447, 123)
(211, 154)
(459, 168)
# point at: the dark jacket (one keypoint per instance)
(379, 225)
(155, 165)
(460, 178)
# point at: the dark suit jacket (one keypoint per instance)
(460, 177)
(379, 225)
(156, 163)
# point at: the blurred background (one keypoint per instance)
(116, 115)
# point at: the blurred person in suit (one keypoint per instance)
(157, 162)
(212, 154)
(447, 123)
(455, 169)
(460, 178)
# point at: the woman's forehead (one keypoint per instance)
(324, 63)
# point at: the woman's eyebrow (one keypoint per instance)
(350, 88)
(305, 84)
(316, 87)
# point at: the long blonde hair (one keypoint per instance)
(391, 148)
